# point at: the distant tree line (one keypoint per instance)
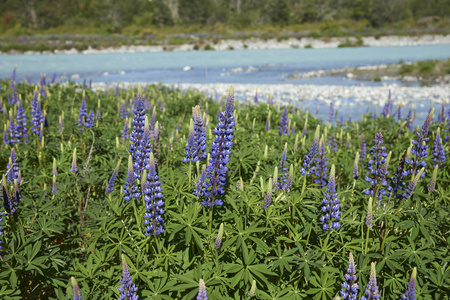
(112, 15)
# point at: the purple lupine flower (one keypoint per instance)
(420, 148)
(268, 122)
(375, 168)
(255, 99)
(283, 127)
(112, 180)
(14, 97)
(83, 111)
(332, 143)
(311, 156)
(37, 118)
(432, 185)
(153, 120)
(398, 183)
(387, 107)
(282, 184)
(331, 205)
(74, 168)
(410, 119)
(128, 289)
(355, 167)
(13, 77)
(5, 135)
(270, 100)
(129, 188)
(199, 133)
(13, 130)
(12, 168)
(218, 241)
(410, 293)
(399, 112)
(363, 150)
(116, 93)
(201, 183)
(438, 150)
(21, 120)
(123, 111)
(54, 187)
(412, 185)
(369, 216)
(441, 117)
(220, 155)
(1, 232)
(140, 123)
(371, 292)
(125, 134)
(331, 113)
(201, 291)
(76, 289)
(350, 286)
(153, 201)
(90, 120)
(61, 122)
(321, 165)
(190, 149)
(290, 179)
(99, 112)
(305, 126)
(53, 78)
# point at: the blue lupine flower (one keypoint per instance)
(76, 290)
(191, 147)
(128, 289)
(123, 111)
(14, 97)
(153, 201)
(255, 99)
(12, 168)
(387, 107)
(321, 165)
(153, 120)
(412, 185)
(331, 113)
(129, 188)
(90, 120)
(61, 122)
(201, 183)
(438, 150)
(283, 127)
(36, 118)
(420, 148)
(268, 122)
(410, 119)
(399, 112)
(1, 232)
(142, 155)
(371, 292)
(332, 143)
(202, 291)
(125, 134)
(282, 184)
(199, 132)
(270, 100)
(268, 198)
(74, 168)
(5, 135)
(13, 77)
(116, 93)
(83, 111)
(375, 168)
(398, 183)
(137, 144)
(53, 78)
(305, 126)
(331, 205)
(21, 120)
(13, 130)
(311, 156)
(112, 180)
(350, 286)
(220, 155)
(363, 150)
(99, 112)
(410, 293)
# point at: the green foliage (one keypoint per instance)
(82, 231)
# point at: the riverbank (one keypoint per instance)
(253, 43)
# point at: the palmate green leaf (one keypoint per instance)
(324, 286)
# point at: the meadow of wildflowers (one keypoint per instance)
(157, 193)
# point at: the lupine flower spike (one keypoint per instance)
(199, 133)
(331, 205)
(130, 185)
(153, 200)
(128, 289)
(268, 198)
(369, 216)
(202, 291)
(220, 155)
(438, 150)
(412, 185)
(219, 237)
(76, 289)
(112, 180)
(74, 168)
(372, 288)
(432, 185)
(191, 147)
(411, 291)
(252, 292)
(283, 127)
(54, 187)
(355, 166)
(321, 164)
(376, 168)
(350, 286)
(420, 148)
(311, 156)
